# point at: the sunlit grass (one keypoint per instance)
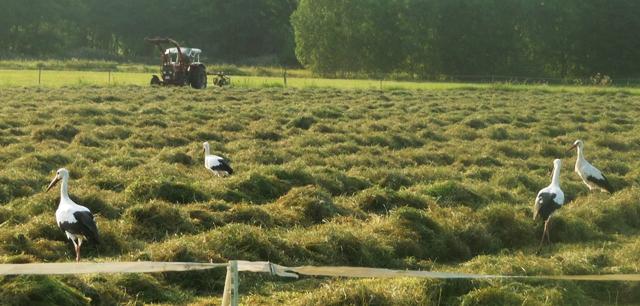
(56, 78)
(409, 179)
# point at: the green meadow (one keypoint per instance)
(256, 77)
(60, 78)
(327, 172)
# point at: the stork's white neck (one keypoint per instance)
(206, 151)
(64, 189)
(555, 179)
(580, 153)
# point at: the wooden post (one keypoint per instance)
(39, 75)
(285, 76)
(236, 283)
(231, 283)
(109, 82)
(226, 294)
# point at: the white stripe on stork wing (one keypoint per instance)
(590, 170)
(213, 160)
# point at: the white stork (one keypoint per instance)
(548, 200)
(590, 175)
(77, 221)
(214, 163)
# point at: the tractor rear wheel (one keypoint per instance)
(155, 80)
(198, 77)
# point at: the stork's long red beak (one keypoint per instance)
(53, 183)
(572, 147)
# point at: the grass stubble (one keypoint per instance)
(435, 180)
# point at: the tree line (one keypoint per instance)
(427, 38)
(415, 38)
(227, 30)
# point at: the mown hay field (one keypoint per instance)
(439, 180)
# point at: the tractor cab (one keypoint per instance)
(190, 54)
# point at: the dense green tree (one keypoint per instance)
(412, 38)
(428, 38)
(334, 36)
(227, 30)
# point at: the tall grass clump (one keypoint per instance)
(156, 220)
(376, 200)
(454, 193)
(256, 188)
(64, 133)
(307, 205)
(342, 244)
(166, 189)
(412, 233)
(39, 290)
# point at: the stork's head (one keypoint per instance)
(577, 144)
(205, 145)
(557, 163)
(61, 174)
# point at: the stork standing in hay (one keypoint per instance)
(548, 200)
(76, 220)
(214, 163)
(590, 175)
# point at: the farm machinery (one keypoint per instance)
(180, 65)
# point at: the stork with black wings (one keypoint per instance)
(548, 200)
(76, 220)
(214, 163)
(590, 175)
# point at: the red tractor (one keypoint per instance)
(180, 65)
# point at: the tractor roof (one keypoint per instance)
(185, 50)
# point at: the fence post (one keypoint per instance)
(109, 81)
(284, 74)
(226, 294)
(236, 283)
(40, 65)
(231, 283)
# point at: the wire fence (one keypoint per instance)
(43, 76)
(232, 281)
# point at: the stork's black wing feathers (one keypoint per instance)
(223, 166)
(546, 205)
(602, 183)
(87, 225)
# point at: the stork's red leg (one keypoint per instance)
(544, 232)
(547, 229)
